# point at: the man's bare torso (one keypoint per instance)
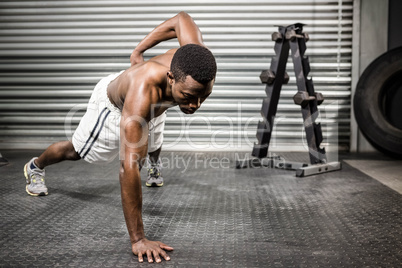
(150, 76)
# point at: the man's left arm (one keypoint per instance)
(181, 26)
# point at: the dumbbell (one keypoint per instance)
(319, 97)
(302, 98)
(306, 36)
(292, 35)
(268, 77)
(276, 36)
(285, 78)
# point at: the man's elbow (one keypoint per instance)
(128, 172)
(183, 15)
(122, 169)
(130, 164)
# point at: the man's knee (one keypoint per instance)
(74, 155)
(69, 149)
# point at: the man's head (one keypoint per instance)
(192, 75)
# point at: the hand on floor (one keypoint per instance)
(149, 248)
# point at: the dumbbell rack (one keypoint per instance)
(294, 38)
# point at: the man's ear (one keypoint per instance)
(170, 77)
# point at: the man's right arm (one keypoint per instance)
(134, 145)
(180, 26)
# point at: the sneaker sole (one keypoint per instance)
(153, 184)
(26, 174)
(26, 187)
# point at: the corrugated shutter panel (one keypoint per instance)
(54, 52)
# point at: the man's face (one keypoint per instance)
(190, 94)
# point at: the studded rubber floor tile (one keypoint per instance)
(212, 214)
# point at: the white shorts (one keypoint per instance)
(97, 136)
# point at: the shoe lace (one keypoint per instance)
(154, 171)
(38, 177)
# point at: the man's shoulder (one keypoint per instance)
(145, 80)
(172, 51)
(164, 59)
(147, 73)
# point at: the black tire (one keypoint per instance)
(378, 103)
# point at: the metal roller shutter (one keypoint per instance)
(54, 52)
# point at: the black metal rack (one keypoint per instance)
(291, 37)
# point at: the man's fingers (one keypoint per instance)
(164, 255)
(156, 256)
(164, 246)
(149, 255)
(140, 259)
(154, 250)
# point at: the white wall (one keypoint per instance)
(370, 40)
(54, 52)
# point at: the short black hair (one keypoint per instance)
(194, 60)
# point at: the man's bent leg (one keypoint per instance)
(154, 148)
(55, 153)
(34, 170)
(154, 156)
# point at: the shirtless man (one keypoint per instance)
(130, 106)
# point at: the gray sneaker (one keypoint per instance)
(35, 179)
(154, 174)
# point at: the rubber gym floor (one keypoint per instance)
(212, 214)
